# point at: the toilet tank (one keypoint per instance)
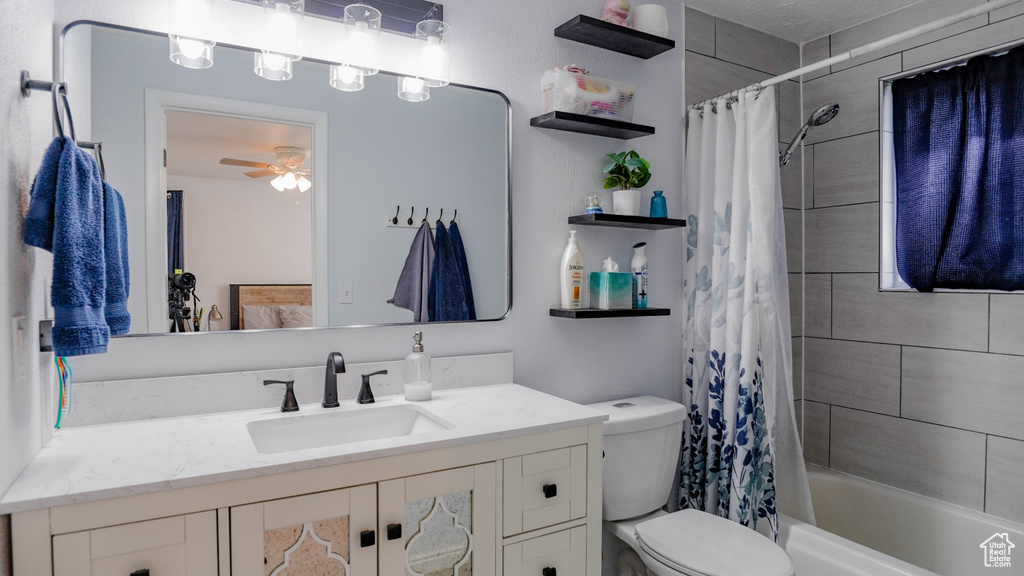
(641, 450)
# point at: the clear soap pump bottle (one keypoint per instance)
(417, 371)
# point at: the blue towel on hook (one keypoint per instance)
(72, 211)
(447, 290)
(115, 253)
(460, 257)
(39, 221)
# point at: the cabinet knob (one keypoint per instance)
(143, 572)
(549, 571)
(550, 491)
(394, 531)
(367, 538)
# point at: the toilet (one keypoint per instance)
(641, 445)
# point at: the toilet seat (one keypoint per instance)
(700, 544)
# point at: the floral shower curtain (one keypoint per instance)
(740, 455)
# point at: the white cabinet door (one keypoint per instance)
(175, 546)
(439, 524)
(328, 533)
(560, 554)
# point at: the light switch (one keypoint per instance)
(344, 292)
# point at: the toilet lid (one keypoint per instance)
(692, 541)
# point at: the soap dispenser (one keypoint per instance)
(417, 371)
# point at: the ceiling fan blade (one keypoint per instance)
(235, 162)
(260, 173)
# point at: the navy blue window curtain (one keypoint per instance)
(958, 138)
(175, 246)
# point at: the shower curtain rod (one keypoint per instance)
(870, 47)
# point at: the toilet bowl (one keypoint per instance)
(641, 445)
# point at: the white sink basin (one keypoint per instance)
(300, 432)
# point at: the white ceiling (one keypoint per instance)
(197, 142)
(799, 20)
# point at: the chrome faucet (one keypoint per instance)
(335, 366)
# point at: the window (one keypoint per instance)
(952, 205)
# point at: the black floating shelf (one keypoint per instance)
(613, 37)
(620, 221)
(595, 313)
(591, 125)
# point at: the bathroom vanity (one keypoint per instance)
(488, 481)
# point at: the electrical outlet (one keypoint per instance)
(344, 292)
(18, 325)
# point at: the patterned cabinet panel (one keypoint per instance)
(175, 546)
(560, 554)
(439, 524)
(544, 489)
(327, 534)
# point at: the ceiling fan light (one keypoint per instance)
(304, 183)
(278, 183)
(288, 180)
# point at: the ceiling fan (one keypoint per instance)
(289, 171)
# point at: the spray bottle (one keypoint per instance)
(639, 267)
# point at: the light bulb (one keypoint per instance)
(346, 74)
(278, 183)
(288, 180)
(274, 61)
(191, 48)
(304, 183)
(432, 58)
(412, 85)
(281, 21)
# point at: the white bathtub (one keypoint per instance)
(869, 529)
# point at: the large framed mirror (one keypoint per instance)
(290, 201)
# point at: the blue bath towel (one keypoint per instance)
(115, 254)
(447, 291)
(460, 257)
(72, 211)
(414, 282)
(39, 221)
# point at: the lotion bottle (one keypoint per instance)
(571, 274)
(639, 267)
(417, 371)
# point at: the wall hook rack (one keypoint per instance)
(393, 221)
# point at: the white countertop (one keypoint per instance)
(90, 463)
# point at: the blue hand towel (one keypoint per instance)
(460, 257)
(39, 221)
(115, 253)
(414, 282)
(447, 292)
(72, 212)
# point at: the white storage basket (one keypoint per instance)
(566, 91)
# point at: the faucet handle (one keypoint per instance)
(365, 393)
(289, 404)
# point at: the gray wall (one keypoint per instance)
(919, 391)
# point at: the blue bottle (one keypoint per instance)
(658, 208)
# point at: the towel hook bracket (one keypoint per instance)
(28, 84)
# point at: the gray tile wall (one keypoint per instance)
(920, 391)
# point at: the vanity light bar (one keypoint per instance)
(397, 16)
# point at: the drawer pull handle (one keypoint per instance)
(143, 572)
(549, 571)
(550, 491)
(394, 531)
(367, 538)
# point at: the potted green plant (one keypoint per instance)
(627, 172)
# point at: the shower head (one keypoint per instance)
(818, 117)
(824, 114)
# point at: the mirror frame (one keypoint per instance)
(319, 159)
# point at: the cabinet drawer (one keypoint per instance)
(560, 554)
(175, 546)
(543, 489)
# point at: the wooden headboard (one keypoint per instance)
(263, 294)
